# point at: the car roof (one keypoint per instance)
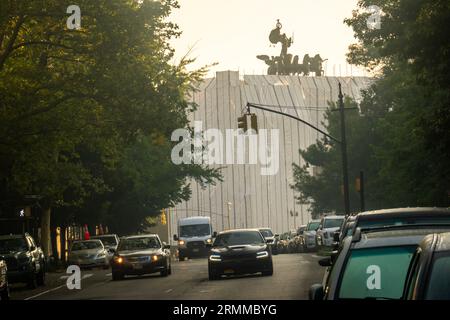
(333, 217)
(90, 240)
(105, 235)
(391, 237)
(402, 212)
(149, 235)
(442, 242)
(238, 230)
(264, 228)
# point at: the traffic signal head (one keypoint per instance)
(242, 122)
(254, 122)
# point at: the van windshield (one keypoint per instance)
(195, 230)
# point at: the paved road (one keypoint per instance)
(293, 275)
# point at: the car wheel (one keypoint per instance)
(164, 272)
(41, 278)
(4, 296)
(32, 281)
(117, 276)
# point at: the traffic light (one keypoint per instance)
(163, 217)
(254, 122)
(242, 123)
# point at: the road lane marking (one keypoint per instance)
(168, 290)
(108, 274)
(86, 276)
(47, 291)
(64, 277)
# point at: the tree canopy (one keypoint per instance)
(400, 136)
(87, 114)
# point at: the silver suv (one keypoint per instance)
(325, 232)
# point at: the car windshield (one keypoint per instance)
(13, 244)
(86, 245)
(332, 223)
(376, 273)
(139, 243)
(400, 221)
(439, 283)
(266, 233)
(238, 238)
(312, 226)
(195, 230)
(107, 240)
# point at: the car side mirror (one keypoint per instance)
(175, 237)
(316, 292)
(214, 234)
(325, 262)
(166, 246)
(336, 236)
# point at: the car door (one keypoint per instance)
(34, 251)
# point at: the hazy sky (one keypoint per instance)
(233, 32)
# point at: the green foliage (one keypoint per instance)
(400, 138)
(80, 109)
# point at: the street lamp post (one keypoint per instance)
(344, 153)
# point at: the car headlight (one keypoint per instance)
(262, 254)
(155, 258)
(208, 240)
(215, 257)
(118, 260)
(181, 243)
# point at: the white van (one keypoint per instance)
(193, 235)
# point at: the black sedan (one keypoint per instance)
(242, 251)
(429, 277)
(138, 255)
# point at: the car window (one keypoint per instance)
(238, 238)
(266, 232)
(13, 244)
(439, 283)
(195, 230)
(86, 245)
(312, 226)
(376, 273)
(139, 243)
(332, 223)
(107, 240)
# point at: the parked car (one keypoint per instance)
(24, 259)
(110, 242)
(141, 254)
(88, 254)
(296, 244)
(283, 243)
(308, 238)
(4, 285)
(271, 239)
(241, 251)
(325, 232)
(293, 242)
(346, 229)
(429, 272)
(372, 264)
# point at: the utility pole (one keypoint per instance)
(344, 153)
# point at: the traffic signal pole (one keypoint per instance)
(342, 141)
(344, 153)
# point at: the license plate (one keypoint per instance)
(137, 266)
(195, 250)
(228, 271)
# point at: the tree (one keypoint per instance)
(400, 137)
(74, 102)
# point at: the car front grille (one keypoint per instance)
(11, 263)
(140, 259)
(195, 244)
